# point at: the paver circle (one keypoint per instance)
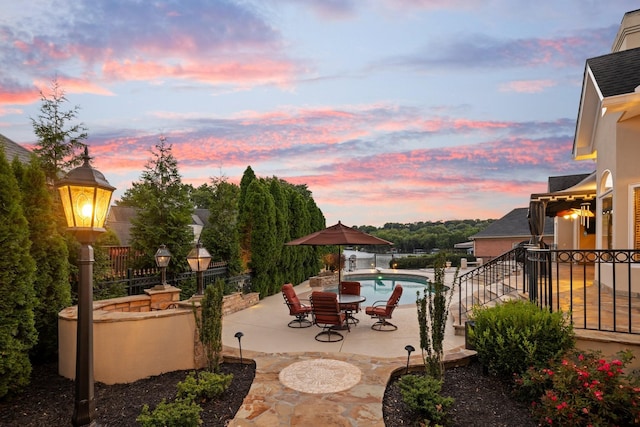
(320, 376)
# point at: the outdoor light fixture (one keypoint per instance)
(163, 256)
(86, 196)
(239, 335)
(585, 213)
(199, 259)
(409, 349)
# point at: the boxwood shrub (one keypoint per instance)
(515, 335)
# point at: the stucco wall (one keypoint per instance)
(131, 342)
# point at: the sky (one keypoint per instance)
(387, 110)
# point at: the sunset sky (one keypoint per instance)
(388, 110)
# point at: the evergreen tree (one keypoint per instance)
(163, 210)
(220, 235)
(48, 246)
(60, 143)
(260, 214)
(17, 297)
(244, 220)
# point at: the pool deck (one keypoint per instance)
(310, 399)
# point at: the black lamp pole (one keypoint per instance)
(239, 335)
(85, 195)
(409, 349)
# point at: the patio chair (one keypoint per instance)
(350, 288)
(382, 311)
(327, 315)
(296, 308)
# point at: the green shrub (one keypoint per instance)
(180, 413)
(207, 385)
(421, 393)
(515, 335)
(583, 389)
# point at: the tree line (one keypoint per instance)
(427, 235)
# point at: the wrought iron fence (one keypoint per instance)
(598, 288)
(136, 281)
(491, 281)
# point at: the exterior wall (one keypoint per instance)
(132, 340)
(488, 248)
(491, 248)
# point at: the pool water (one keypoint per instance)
(378, 287)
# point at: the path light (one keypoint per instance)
(162, 256)
(86, 196)
(199, 259)
(239, 335)
(409, 349)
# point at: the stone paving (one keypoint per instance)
(352, 376)
(272, 403)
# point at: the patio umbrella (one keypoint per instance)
(536, 216)
(339, 235)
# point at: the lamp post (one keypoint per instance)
(199, 259)
(162, 256)
(86, 196)
(409, 349)
(239, 335)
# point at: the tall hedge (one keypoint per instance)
(49, 248)
(17, 297)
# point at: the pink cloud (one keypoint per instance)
(527, 86)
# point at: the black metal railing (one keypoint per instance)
(136, 281)
(598, 288)
(501, 275)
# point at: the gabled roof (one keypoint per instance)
(616, 73)
(13, 149)
(119, 220)
(513, 224)
(608, 88)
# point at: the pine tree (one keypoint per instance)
(48, 246)
(17, 297)
(163, 210)
(60, 143)
(220, 235)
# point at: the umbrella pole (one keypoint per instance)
(339, 269)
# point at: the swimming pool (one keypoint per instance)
(378, 287)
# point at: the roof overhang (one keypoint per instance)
(570, 198)
(593, 107)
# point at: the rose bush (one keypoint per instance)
(583, 389)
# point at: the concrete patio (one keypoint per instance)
(300, 381)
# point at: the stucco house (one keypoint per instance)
(607, 203)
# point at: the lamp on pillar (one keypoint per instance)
(199, 259)
(86, 196)
(162, 256)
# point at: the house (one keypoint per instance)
(607, 132)
(13, 150)
(119, 220)
(506, 233)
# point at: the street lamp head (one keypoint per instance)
(409, 349)
(239, 335)
(199, 258)
(163, 256)
(86, 196)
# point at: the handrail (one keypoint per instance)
(490, 281)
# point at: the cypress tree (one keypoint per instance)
(17, 297)
(261, 215)
(48, 246)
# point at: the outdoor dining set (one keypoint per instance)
(334, 312)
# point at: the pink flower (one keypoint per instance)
(581, 357)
